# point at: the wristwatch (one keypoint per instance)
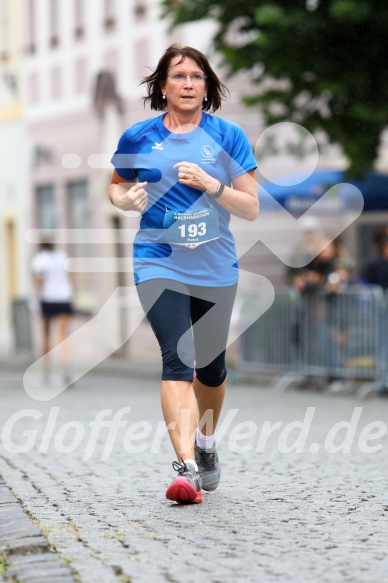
(218, 192)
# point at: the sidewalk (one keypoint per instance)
(99, 497)
(114, 365)
(25, 554)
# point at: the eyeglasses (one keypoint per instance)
(196, 79)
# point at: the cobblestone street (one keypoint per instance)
(98, 496)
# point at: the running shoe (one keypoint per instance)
(208, 467)
(186, 488)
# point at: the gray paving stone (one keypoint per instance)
(277, 517)
(31, 560)
(24, 548)
(44, 573)
(5, 496)
(35, 544)
(13, 531)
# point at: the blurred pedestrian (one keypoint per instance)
(341, 308)
(185, 260)
(55, 286)
(312, 329)
(305, 250)
(313, 277)
(375, 272)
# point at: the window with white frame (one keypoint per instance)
(30, 25)
(5, 26)
(80, 76)
(109, 11)
(140, 9)
(46, 213)
(33, 88)
(56, 82)
(142, 60)
(78, 205)
(78, 213)
(79, 19)
(54, 23)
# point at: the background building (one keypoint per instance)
(68, 88)
(15, 201)
(83, 63)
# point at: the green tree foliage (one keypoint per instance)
(320, 63)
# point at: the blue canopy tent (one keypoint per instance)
(298, 198)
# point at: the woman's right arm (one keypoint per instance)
(127, 195)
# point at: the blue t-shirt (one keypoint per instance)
(147, 151)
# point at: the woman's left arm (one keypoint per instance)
(241, 200)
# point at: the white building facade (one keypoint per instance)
(14, 183)
(69, 86)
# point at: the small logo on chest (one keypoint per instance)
(158, 146)
(207, 155)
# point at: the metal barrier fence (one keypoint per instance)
(269, 344)
(320, 336)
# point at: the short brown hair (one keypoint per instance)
(216, 91)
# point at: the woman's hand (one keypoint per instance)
(128, 199)
(192, 175)
(241, 200)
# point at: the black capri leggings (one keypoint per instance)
(191, 324)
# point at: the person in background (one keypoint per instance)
(305, 251)
(55, 286)
(375, 271)
(315, 274)
(340, 313)
(312, 329)
(187, 172)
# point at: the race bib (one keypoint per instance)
(191, 228)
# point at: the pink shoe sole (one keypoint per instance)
(181, 491)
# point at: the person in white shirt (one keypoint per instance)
(56, 290)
